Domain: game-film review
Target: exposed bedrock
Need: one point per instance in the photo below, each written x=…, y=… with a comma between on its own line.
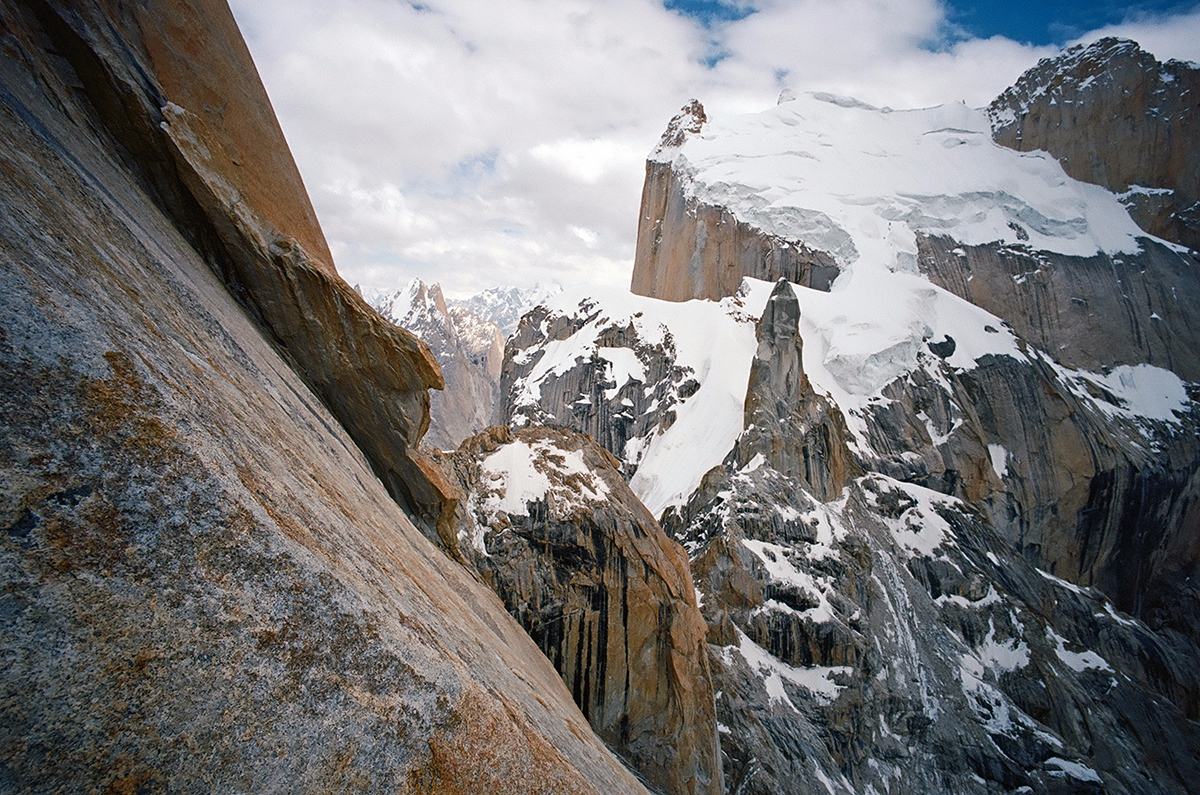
x=608, y=596
x=856, y=603
x=194, y=127
x=203, y=585
x=1085, y=496
x=1093, y=498
x=847, y=649
x=1115, y=116
x=687, y=248
x=1088, y=313
x=848, y=638
x=799, y=433
x=588, y=397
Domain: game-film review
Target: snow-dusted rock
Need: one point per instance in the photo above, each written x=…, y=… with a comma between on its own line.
x=994, y=592
x=1115, y=116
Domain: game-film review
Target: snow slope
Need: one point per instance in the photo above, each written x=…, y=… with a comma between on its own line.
x=859, y=182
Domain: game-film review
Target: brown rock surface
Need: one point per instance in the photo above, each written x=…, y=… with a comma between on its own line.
x=173, y=91
x=1115, y=116
x=603, y=591
x=204, y=586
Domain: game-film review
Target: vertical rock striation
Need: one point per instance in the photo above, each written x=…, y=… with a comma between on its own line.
x=551, y=526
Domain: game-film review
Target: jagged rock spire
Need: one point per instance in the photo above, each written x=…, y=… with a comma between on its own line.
x=688, y=121
x=777, y=381
x=797, y=431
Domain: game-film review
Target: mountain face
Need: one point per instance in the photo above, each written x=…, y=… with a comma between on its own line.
x=1115, y=116
x=504, y=306
x=211, y=580
x=937, y=474
x=910, y=504
x=469, y=350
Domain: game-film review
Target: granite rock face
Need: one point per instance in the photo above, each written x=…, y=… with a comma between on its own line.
x=1088, y=312
x=1115, y=116
x=551, y=526
x=799, y=433
x=876, y=630
x=469, y=351
x=688, y=248
x=871, y=624
x=205, y=586
x=195, y=127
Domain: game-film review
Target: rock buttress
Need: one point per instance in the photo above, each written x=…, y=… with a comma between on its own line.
x=173, y=91
x=800, y=433
x=608, y=597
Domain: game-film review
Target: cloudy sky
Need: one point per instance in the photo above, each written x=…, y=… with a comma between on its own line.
x=493, y=142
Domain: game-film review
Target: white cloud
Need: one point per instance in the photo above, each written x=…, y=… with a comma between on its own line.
x=481, y=143
x=588, y=161
x=1168, y=37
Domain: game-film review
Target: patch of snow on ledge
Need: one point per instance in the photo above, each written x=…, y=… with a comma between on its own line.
x=999, y=458
x=773, y=671
x=1076, y=661
x=1073, y=769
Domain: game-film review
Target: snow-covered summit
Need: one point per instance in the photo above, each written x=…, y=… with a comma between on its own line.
x=860, y=182
x=505, y=305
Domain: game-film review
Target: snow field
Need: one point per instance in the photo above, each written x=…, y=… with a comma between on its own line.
x=520, y=473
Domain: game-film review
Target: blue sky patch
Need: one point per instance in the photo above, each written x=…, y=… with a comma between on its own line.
x=710, y=12
x=1052, y=21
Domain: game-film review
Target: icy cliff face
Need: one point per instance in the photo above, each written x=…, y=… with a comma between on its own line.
x=953, y=549
x=856, y=185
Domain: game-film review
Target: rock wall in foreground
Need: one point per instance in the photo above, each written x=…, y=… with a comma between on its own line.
x=205, y=586
x=193, y=126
